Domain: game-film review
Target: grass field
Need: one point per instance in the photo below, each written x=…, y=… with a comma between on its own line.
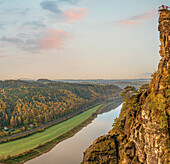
x=30, y=142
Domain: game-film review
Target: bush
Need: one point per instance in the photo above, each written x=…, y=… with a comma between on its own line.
x=8, y=156
x=2, y=158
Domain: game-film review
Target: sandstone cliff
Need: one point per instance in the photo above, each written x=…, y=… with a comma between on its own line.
x=140, y=134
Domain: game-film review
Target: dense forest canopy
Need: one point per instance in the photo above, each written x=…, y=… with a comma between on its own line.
x=23, y=103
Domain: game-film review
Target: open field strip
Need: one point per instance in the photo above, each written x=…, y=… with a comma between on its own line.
x=30, y=142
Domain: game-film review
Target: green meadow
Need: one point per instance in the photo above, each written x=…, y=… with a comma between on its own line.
x=30, y=142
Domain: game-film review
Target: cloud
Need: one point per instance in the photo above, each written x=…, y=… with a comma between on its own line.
x=66, y=15
x=1, y=51
x=135, y=20
x=1, y=26
x=34, y=24
x=75, y=13
x=27, y=44
x=15, y=11
x=49, y=39
x=51, y=6
x=13, y=40
x=54, y=39
x=6, y=24
x=2, y=1
x=69, y=1
x=25, y=11
x=146, y=74
x=128, y=23
x=145, y=16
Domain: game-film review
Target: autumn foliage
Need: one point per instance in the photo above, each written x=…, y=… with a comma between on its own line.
x=24, y=103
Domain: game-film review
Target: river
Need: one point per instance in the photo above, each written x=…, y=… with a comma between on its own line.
x=70, y=151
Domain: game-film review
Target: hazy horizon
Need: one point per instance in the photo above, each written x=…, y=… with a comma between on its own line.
x=79, y=39
x=72, y=79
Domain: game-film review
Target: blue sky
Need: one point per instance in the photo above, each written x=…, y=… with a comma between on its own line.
x=79, y=39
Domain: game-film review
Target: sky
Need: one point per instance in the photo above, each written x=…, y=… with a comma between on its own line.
x=79, y=39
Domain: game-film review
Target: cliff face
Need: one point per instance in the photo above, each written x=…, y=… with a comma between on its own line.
x=140, y=134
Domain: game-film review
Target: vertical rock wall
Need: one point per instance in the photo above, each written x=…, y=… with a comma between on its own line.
x=141, y=133
x=160, y=79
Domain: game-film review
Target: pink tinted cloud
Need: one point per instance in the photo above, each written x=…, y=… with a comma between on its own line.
x=54, y=39
x=1, y=56
x=145, y=16
x=128, y=23
x=135, y=20
x=75, y=13
x=1, y=51
x=48, y=39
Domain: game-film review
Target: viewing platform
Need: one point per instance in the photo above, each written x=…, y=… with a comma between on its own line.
x=164, y=8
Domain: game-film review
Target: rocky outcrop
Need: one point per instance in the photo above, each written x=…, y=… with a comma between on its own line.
x=103, y=150
x=140, y=134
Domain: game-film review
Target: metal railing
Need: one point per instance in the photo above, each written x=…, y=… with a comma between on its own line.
x=164, y=7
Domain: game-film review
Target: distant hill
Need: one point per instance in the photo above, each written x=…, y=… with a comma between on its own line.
x=120, y=83
x=44, y=81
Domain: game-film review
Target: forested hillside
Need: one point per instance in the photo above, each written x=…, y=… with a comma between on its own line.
x=24, y=103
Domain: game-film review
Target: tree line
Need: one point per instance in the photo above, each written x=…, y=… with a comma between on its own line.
x=24, y=103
